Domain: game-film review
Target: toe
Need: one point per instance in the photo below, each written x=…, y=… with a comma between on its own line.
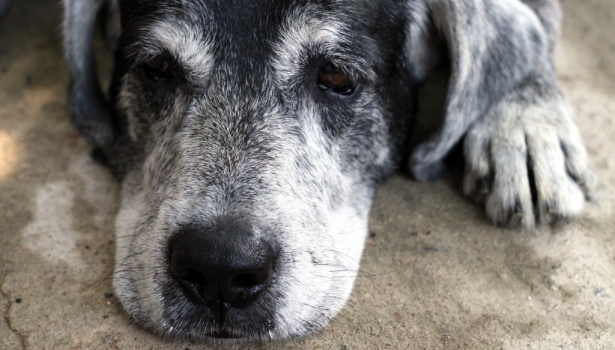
x=558, y=195
x=510, y=201
x=477, y=178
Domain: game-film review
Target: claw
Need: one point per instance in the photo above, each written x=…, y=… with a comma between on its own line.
x=518, y=208
x=481, y=190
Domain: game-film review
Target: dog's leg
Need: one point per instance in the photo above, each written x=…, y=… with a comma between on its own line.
x=525, y=160
x=525, y=157
x=494, y=45
x=90, y=112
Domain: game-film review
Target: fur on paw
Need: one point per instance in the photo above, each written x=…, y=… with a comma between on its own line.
x=527, y=164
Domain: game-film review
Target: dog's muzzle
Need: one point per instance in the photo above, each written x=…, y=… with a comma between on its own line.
x=223, y=268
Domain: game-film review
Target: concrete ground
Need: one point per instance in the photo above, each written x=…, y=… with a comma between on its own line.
x=436, y=274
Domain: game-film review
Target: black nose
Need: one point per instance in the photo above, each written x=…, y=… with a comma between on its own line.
x=223, y=267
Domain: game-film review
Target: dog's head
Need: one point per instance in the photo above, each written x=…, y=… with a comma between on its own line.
x=250, y=137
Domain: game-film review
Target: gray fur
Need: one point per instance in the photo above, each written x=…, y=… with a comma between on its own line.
x=240, y=130
x=487, y=62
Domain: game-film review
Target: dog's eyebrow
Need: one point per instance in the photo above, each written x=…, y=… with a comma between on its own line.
x=189, y=46
x=304, y=35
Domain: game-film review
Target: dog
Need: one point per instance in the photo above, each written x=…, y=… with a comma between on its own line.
x=249, y=138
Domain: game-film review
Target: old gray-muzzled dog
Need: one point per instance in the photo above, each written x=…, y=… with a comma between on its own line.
x=250, y=136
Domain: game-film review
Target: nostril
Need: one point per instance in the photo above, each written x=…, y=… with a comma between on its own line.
x=197, y=285
x=193, y=276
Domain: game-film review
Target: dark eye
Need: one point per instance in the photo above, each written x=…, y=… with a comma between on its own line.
x=156, y=68
x=334, y=78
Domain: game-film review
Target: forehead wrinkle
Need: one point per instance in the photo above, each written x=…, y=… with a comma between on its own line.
x=189, y=45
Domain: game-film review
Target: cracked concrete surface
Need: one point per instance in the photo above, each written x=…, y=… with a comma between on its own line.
x=435, y=274
x=10, y=337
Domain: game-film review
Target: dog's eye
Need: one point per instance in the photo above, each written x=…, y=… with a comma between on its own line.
x=156, y=68
x=334, y=78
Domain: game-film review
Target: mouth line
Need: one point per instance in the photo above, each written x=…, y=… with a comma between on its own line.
x=223, y=328
x=223, y=334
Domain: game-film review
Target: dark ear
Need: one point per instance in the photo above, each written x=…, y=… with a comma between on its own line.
x=493, y=45
x=90, y=111
x=4, y=7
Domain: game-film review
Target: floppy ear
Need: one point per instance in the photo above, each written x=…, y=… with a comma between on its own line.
x=90, y=111
x=493, y=45
x=4, y=6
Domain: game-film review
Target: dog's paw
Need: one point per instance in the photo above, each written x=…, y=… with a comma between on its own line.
x=527, y=164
